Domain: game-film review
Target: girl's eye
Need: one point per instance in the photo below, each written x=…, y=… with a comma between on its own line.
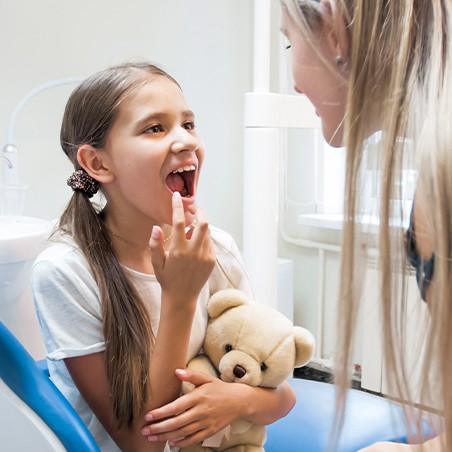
x=190, y=125
x=154, y=129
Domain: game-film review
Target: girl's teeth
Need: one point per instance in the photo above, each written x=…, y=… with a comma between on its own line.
x=185, y=168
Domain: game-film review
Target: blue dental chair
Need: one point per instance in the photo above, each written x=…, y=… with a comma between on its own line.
x=28, y=397
x=307, y=427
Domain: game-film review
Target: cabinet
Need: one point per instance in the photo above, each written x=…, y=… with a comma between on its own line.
x=372, y=366
x=369, y=346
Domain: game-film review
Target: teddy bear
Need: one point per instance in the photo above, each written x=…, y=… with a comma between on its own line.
x=250, y=343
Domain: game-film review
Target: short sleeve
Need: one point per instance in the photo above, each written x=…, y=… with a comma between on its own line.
x=230, y=270
x=67, y=303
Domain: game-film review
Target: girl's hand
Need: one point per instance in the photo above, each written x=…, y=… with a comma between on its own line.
x=186, y=266
x=196, y=416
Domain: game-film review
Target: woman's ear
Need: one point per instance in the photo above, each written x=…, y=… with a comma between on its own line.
x=337, y=35
x=92, y=161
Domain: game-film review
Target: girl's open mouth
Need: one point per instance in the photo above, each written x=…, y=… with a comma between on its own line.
x=182, y=180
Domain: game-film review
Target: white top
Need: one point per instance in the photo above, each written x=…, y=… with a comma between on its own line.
x=69, y=311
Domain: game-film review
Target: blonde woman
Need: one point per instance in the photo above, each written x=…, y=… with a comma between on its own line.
x=385, y=66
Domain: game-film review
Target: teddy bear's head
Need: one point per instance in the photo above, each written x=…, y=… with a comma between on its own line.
x=252, y=343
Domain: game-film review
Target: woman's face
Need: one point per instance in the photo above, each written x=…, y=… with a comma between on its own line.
x=324, y=87
x=153, y=150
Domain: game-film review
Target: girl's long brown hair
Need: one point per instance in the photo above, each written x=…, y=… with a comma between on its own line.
x=88, y=118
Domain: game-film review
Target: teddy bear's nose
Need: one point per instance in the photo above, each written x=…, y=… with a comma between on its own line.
x=239, y=371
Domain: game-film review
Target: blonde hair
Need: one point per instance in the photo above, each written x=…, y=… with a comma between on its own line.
x=400, y=73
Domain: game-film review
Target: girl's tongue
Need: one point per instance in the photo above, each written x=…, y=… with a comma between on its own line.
x=175, y=182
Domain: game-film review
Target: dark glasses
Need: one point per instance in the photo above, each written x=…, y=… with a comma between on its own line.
x=424, y=268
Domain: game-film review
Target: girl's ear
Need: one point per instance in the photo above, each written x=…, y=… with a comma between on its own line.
x=337, y=35
x=92, y=161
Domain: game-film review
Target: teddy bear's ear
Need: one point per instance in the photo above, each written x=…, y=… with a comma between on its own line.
x=304, y=345
x=224, y=300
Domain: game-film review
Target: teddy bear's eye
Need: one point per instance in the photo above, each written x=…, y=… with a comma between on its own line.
x=264, y=367
x=228, y=348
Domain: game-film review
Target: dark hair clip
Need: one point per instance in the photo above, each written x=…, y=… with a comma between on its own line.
x=80, y=180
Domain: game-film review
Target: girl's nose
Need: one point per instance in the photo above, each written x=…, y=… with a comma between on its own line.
x=184, y=141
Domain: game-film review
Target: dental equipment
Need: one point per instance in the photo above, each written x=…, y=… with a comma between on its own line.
x=10, y=150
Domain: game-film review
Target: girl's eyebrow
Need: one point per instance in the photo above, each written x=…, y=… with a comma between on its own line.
x=188, y=114
x=162, y=116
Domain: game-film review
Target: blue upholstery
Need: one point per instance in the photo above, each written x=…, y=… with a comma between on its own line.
x=30, y=381
x=307, y=427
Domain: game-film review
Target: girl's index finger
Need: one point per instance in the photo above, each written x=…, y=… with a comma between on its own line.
x=178, y=214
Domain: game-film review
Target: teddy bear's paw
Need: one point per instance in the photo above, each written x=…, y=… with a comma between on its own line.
x=240, y=426
x=187, y=387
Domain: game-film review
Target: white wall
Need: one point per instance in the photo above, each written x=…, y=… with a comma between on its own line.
x=205, y=44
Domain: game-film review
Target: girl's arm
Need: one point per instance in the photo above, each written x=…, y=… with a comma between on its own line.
x=182, y=272
x=213, y=405
x=90, y=377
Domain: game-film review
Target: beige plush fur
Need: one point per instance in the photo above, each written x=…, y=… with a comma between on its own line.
x=249, y=343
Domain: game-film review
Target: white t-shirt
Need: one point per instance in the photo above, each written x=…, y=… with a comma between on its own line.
x=69, y=310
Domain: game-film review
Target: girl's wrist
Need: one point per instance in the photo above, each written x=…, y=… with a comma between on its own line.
x=246, y=406
x=175, y=307
x=181, y=300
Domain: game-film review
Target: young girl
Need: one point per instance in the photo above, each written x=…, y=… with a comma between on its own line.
x=385, y=65
x=121, y=291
